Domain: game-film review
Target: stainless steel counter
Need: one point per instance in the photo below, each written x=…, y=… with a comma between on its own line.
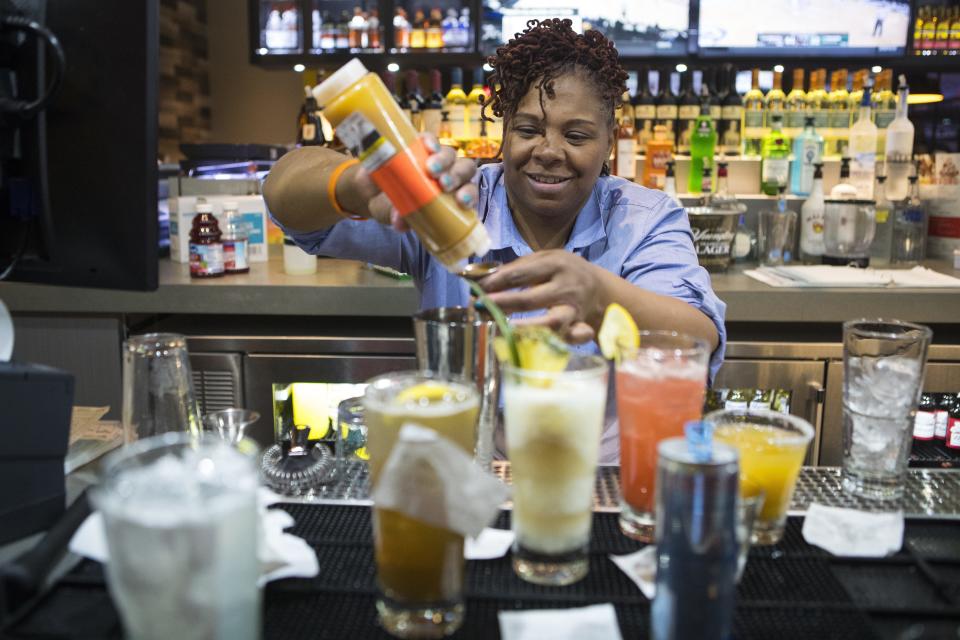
x=345, y=288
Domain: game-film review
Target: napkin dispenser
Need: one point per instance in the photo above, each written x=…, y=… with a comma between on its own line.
x=36, y=403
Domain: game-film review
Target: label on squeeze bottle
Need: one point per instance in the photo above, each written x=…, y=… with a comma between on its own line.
x=394, y=171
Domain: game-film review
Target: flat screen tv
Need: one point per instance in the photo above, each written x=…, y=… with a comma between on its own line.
x=803, y=27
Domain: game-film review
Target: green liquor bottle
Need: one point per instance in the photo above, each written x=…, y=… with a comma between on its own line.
x=775, y=158
x=703, y=143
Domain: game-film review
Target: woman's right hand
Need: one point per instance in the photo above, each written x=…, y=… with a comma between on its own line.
x=454, y=175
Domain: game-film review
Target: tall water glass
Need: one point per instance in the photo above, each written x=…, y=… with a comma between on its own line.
x=157, y=387
x=553, y=423
x=457, y=341
x=181, y=520
x=883, y=367
x=777, y=237
x=659, y=389
x=419, y=566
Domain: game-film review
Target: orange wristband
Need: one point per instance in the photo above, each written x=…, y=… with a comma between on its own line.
x=332, y=188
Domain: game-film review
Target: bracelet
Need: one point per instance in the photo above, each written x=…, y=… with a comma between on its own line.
x=332, y=188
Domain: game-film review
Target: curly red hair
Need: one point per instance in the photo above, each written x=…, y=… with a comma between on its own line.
x=546, y=50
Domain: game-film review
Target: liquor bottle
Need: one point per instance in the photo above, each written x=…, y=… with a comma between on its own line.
x=731, y=116
x=309, y=127
x=475, y=100
x=626, y=108
x=953, y=424
x=910, y=228
x=625, y=155
x=941, y=417
x=414, y=100
x=884, y=108
x=644, y=109
x=924, y=420
x=775, y=100
x=670, y=182
x=667, y=108
x=843, y=190
x=863, y=149
x=356, y=29
x=433, y=105
x=796, y=106
x=658, y=154
x=817, y=99
x=775, y=158
x=943, y=33
x=456, y=104
x=466, y=33
x=401, y=29
x=703, y=144
x=722, y=198
x=918, y=30
x=807, y=152
x=418, y=30
x=687, y=113
x=316, y=24
x=811, y=221
x=390, y=81
x=752, y=127
x=373, y=29
x=856, y=94
x=328, y=32
x=710, y=81
x=343, y=31
x=899, y=146
x=744, y=242
x=450, y=27
x=434, y=37
x=837, y=135
x=706, y=184
x=954, y=45
x=446, y=132
x=929, y=35
x=881, y=248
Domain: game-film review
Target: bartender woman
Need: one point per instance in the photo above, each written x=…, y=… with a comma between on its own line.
x=572, y=238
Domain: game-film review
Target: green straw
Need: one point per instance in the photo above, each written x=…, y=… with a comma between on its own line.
x=500, y=318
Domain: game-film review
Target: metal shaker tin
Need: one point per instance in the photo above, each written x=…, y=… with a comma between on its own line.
x=696, y=541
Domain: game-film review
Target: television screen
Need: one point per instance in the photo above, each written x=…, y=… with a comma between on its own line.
x=651, y=27
x=852, y=27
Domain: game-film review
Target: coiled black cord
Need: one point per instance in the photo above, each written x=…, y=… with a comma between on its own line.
x=26, y=108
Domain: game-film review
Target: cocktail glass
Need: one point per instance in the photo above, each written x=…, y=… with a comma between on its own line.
x=883, y=369
x=181, y=521
x=553, y=423
x=772, y=446
x=419, y=566
x=660, y=387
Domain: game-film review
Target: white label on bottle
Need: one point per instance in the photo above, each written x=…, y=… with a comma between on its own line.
x=309, y=132
x=626, y=158
x=923, y=425
x=645, y=112
x=473, y=121
x=775, y=170
x=689, y=112
x=667, y=112
x=733, y=404
x=206, y=259
x=457, y=120
x=731, y=112
x=953, y=433
x=809, y=156
x=811, y=231
x=366, y=143
x=753, y=119
x=235, y=255
x=862, y=173
x=940, y=420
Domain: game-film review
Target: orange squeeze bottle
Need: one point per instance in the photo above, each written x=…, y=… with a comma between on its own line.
x=371, y=124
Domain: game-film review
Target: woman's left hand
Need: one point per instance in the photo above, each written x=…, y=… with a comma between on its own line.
x=563, y=283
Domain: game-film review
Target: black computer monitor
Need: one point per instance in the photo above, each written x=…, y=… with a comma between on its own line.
x=83, y=170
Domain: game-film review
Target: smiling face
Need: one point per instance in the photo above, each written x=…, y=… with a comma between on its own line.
x=552, y=155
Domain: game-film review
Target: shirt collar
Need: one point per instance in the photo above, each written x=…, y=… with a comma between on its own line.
x=588, y=229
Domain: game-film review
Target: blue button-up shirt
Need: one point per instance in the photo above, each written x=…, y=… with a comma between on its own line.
x=637, y=233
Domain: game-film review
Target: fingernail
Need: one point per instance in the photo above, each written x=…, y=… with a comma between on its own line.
x=446, y=181
x=433, y=145
x=467, y=199
x=434, y=167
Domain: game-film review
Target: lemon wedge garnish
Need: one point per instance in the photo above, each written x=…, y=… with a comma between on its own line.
x=429, y=391
x=618, y=333
x=538, y=348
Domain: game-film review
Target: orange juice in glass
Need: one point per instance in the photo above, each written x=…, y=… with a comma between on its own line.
x=772, y=446
x=660, y=386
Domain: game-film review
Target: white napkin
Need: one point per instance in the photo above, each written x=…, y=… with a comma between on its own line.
x=848, y=532
x=490, y=544
x=465, y=500
x=596, y=622
x=641, y=568
x=282, y=555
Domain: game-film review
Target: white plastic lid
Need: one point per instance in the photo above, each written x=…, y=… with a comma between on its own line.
x=339, y=81
x=204, y=207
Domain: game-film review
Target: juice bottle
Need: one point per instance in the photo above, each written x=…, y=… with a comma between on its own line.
x=206, y=250
x=373, y=127
x=236, y=244
x=659, y=152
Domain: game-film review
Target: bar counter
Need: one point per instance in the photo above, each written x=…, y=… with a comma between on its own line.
x=346, y=288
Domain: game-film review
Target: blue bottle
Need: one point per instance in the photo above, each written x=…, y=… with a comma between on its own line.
x=696, y=496
x=807, y=151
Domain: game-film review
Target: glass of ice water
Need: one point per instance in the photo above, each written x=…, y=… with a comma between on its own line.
x=883, y=368
x=181, y=521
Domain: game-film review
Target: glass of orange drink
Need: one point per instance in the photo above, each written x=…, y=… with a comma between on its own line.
x=660, y=387
x=772, y=447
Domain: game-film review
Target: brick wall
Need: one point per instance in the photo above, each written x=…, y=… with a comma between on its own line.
x=184, y=76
